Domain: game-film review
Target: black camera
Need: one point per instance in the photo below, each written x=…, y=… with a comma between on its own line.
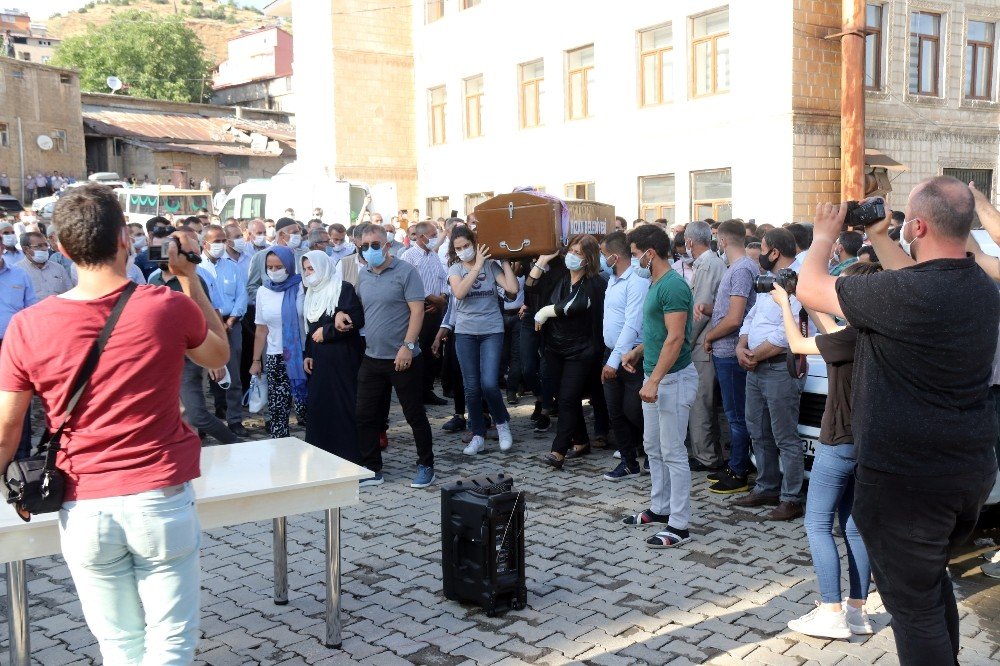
x=860, y=215
x=158, y=253
x=786, y=277
x=162, y=232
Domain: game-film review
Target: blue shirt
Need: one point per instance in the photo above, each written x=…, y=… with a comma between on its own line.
x=16, y=293
x=227, y=285
x=623, y=314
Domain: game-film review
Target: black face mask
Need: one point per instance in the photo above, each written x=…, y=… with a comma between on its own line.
x=765, y=261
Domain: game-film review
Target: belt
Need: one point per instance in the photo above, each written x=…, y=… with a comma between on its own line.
x=778, y=358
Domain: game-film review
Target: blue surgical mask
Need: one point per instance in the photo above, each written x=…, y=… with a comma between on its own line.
x=639, y=269
x=604, y=265
x=573, y=262
x=374, y=257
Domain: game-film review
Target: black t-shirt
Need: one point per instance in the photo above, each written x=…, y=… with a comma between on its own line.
x=837, y=350
x=926, y=339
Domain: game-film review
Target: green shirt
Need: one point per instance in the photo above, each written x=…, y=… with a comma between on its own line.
x=670, y=293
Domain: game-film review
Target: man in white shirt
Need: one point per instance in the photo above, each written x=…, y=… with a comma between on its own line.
x=219, y=200
x=47, y=277
x=421, y=256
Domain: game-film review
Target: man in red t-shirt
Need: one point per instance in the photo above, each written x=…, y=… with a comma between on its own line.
x=128, y=526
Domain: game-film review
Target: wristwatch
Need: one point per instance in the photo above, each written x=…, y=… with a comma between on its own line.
x=410, y=345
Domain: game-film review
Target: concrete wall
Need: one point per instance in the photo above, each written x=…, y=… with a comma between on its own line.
x=262, y=54
x=274, y=94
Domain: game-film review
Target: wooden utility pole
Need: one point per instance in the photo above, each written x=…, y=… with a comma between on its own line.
x=852, y=101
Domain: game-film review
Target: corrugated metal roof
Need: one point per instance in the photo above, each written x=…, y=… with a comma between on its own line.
x=200, y=148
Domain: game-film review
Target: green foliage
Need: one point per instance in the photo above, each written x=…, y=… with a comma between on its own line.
x=156, y=56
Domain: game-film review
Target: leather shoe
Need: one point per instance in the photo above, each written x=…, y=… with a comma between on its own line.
x=432, y=399
x=786, y=511
x=239, y=430
x=756, y=499
x=576, y=452
x=455, y=424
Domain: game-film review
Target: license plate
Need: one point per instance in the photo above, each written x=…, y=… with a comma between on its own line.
x=809, y=447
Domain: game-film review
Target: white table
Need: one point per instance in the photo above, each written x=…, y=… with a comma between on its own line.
x=240, y=483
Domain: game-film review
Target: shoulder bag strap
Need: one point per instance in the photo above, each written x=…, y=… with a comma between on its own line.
x=83, y=377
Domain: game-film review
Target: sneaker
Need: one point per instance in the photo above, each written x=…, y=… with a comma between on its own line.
x=536, y=412
x=617, y=454
x=376, y=480
x=455, y=424
x=991, y=569
x=506, y=438
x=822, y=622
x=425, y=477
x=729, y=483
x=476, y=445
x=542, y=423
x=857, y=620
x=623, y=471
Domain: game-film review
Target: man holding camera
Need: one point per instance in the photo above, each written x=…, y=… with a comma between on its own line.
x=772, y=404
x=923, y=421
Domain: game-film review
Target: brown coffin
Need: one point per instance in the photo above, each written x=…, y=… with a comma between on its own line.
x=521, y=224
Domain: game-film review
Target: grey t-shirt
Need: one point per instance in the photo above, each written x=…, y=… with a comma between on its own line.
x=479, y=312
x=736, y=281
x=386, y=297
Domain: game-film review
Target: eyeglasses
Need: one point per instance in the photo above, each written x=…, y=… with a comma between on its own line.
x=375, y=245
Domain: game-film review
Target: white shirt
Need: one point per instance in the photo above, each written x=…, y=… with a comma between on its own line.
x=269, y=314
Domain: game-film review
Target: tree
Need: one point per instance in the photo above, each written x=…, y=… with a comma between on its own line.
x=155, y=56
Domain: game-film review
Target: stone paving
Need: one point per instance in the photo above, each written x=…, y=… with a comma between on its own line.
x=596, y=594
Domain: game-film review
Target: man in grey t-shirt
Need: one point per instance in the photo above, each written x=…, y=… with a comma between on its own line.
x=392, y=295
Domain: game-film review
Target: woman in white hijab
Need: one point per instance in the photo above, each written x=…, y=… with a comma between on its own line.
x=333, y=318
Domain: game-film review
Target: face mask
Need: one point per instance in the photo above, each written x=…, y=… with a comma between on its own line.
x=270, y=233
x=639, y=269
x=432, y=243
x=903, y=243
x=260, y=240
x=294, y=240
x=765, y=262
x=311, y=280
x=573, y=262
x=605, y=268
x=239, y=244
x=374, y=257
x=215, y=250
x=466, y=254
x=40, y=256
x=139, y=242
x=9, y=240
x=277, y=276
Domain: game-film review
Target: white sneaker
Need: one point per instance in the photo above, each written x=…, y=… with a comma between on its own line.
x=822, y=622
x=477, y=445
x=506, y=438
x=992, y=556
x=857, y=620
x=617, y=454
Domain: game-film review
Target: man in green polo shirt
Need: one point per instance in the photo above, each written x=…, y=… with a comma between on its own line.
x=670, y=386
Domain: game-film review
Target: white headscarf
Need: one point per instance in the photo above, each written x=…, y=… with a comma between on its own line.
x=323, y=296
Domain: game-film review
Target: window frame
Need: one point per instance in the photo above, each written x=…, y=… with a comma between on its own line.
x=430, y=16
x=473, y=199
x=582, y=73
x=4, y=135
x=433, y=203
x=714, y=54
x=976, y=46
x=936, y=40
x=589, y=190
x=535, y=83
x=878, y=33
x=715, y=203
x=658, y=206
x=60, y=140
x=658, y=53
x=432, y=115
x=477, y=99
x=965, y=174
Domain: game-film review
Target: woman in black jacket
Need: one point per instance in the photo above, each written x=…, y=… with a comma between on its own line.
x=572, y=339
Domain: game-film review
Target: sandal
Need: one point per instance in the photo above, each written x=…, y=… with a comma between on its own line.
x=666, y=539
x=643, y=519
x=575, y=452
x=552, y=460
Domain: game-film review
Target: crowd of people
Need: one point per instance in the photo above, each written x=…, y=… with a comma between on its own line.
x=668, y=331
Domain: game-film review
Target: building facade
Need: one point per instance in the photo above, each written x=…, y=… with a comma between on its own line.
x=258, y=71
x=30, y=41
x=41, y=130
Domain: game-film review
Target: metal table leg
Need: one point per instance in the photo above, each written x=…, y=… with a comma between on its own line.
x=17, y=614
x=333, y=639
x=280, y=534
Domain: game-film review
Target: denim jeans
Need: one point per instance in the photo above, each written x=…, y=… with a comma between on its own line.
x=772, y=413
x=665, y=428
x=134, y=561
x=733, y=383
x=479, y=356
x=831, y=494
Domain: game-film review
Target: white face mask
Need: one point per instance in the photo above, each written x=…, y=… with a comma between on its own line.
x=466, y=254
x=310, y=280
x=40, y=256
x=294, y=240
x=239, y=244
x=905, y=244
x=9, y=240
x=277, y=276
x=260, y=240
x=270, y=233
x=139, y=242
x=215, y=250
x=432, y=243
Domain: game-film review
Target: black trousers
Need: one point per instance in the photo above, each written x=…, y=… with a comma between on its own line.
x=246, y=354
x=625, y=411
x=910, y=526
x=376, y=379
x=510, y=360
x=432, y=364
x=571, y=379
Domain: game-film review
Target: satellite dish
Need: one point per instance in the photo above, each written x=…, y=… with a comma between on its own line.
x=44, y=142
x=114, y=83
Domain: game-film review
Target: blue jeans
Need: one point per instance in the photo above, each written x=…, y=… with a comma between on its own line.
x=134, y=560
x=831, y=493
x=479, y=356
x=733, y=384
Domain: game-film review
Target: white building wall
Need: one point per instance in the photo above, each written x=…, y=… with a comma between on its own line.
x=747, y=129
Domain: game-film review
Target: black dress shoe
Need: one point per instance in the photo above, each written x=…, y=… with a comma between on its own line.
x=238, y=430
x=431, y=399
x=455, y=424
x=698, y=466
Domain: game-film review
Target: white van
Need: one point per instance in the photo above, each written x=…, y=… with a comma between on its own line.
x=814, y=395
x=142, y=203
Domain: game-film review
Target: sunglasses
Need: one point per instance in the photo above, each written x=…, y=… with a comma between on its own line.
x=375, y=245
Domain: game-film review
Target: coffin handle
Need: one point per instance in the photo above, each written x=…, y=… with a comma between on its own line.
x=524, y=243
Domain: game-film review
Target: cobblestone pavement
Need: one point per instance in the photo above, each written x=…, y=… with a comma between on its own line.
x=596, y=594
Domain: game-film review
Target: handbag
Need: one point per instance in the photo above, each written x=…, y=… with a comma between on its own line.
x=256, y=396
x=798, y=364
x=34, y=484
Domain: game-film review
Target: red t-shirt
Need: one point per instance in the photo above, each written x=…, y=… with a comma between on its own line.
x=126, y=435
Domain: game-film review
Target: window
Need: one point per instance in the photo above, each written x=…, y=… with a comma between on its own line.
x=656, y=65
x=656, y=198
x=474, y=107
x=979, y=60
x=252, y=205
x=434, y=10
x=234, y=162
x=579, y=81
x=710, y=53
x=468, y=4
x=64, y=78
x=59, y=140
x=4, y=136
x=473, y=200
x=438, y=98
x=583, y=191
x=873, y=47
x=983, y=178
x=925, y=53
x=712, y=194
x=438, y=207
x=531, y=75
x=25, y=56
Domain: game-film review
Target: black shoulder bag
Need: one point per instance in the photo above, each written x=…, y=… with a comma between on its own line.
x=34, y=484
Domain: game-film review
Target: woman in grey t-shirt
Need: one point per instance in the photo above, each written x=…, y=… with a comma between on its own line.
x=473, y=279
